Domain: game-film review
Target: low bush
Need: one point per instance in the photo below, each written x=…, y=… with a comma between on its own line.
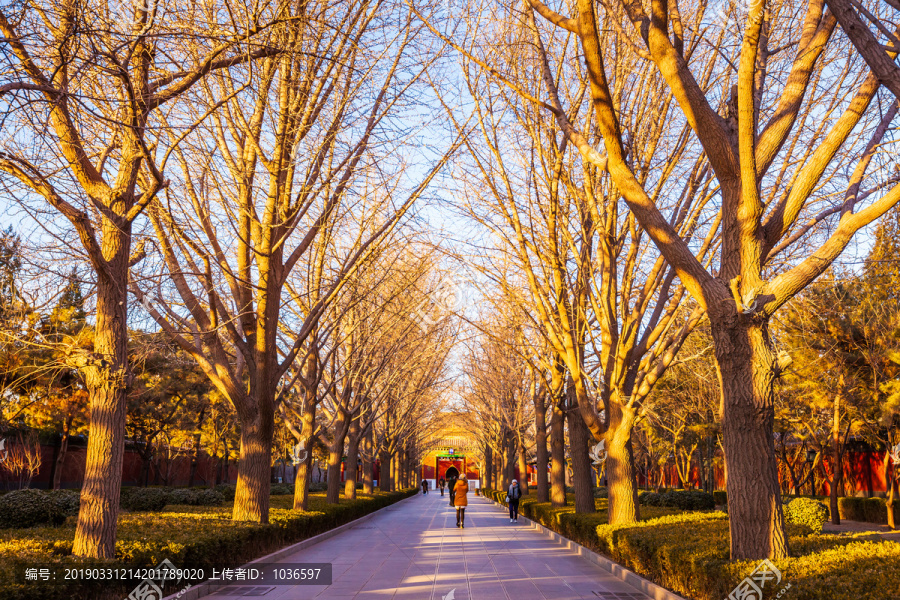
x=281, y=489
x=721, y=498
x=683, y=499
x=143, y=499
x=68, y=501
x=807, y=513
x=27, y=508
x=195, y=497
x=227, y=490
x=688, y=553
x=601, y=492
x=867, y=510
x=188, y=536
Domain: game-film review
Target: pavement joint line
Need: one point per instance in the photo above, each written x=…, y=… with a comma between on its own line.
x=209, y=587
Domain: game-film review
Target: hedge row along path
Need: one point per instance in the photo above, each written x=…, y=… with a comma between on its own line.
x=413, y=550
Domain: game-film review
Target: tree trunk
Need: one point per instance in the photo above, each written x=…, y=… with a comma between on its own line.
x=558, y=456
x=384, y=471
x=523, y=468
x=892, y=499
x=61, y=456
x=488, y=467
x=395, y=471
x=333, y=478
x=579, y=437
x=541, y=458
x=107, y=385
x=251, y=498
x=352, y=456
x=837, y=458
x=620, y=471
x=198, y=437
x=301, y=482
x=745, y=364
x=368, y=466
x=335, y=454
x=509, y=460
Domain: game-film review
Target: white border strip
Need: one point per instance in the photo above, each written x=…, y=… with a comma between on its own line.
x=210, y=586
x=630, y=577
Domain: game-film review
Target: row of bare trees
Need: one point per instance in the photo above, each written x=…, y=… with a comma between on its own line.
x=644, y=167
x=640, y=168
x=233, y=168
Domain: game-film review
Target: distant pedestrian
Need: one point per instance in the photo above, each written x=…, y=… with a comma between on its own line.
x=461, y=500
x=441, y=485
x=512, y=499
x=450, y=486
x=424, y=486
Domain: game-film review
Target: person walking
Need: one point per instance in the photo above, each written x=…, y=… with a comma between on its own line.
x=512, y=499
x=424, y=486
x=441, y=485
x=450, y=487
x=461, y=500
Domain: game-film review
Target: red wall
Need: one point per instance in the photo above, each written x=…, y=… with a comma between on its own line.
x=179, y=469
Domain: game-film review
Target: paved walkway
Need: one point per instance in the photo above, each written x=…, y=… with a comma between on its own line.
x=413, y=550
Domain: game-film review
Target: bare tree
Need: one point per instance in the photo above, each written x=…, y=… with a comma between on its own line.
x=266, y=190
x=779, y=162
x=85, y=89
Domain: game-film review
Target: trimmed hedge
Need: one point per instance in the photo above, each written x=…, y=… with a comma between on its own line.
x=27, y=508
x=189, y=536
x=140, y=499
x=688, y=553
x=807, y=513
x=683, y=499
x=867, y=510
x=195, y=497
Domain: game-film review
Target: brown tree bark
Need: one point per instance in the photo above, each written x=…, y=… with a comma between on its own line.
x=61, y=454
x=368, y=466
x=107, y=378
x=837, y=458
x=582, y=479
x=384, y=471
x=746, y=369
x=335, y=454
x=541, y=455
x=350, y=470
x=488, y=467
x=620, y=469
x=523, y=468
x=251, y=497
x=396, y=483
x=558, y=457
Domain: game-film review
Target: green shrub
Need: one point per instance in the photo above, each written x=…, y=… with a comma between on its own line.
x=649, y=498
x=27, y=508
x=806, y=512
x=143, y=499
x=721, y=498
x=683, y=499
x=227, y=490
x=867, y=510
x=281, y=489
x=601, y=492
x=195, y=496
x=68, y=501
x=189, y=536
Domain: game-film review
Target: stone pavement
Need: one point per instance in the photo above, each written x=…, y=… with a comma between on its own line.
x=413, y=550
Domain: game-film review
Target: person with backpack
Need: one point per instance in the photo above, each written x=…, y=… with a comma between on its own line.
x=512, y=499
x=461, y=500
